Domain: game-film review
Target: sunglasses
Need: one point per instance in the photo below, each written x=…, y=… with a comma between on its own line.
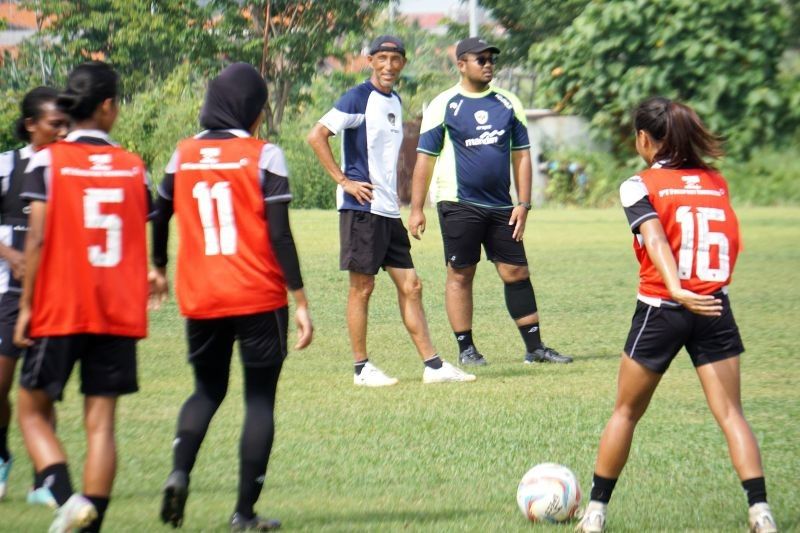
x=482, y=60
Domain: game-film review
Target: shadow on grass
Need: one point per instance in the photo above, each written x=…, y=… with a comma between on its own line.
x=375, y=518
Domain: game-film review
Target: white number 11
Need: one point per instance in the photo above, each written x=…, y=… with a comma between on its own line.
x=222, y=239
x=705, y=240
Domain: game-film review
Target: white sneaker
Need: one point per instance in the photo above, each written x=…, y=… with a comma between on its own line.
x=372, y=376
x=593, y=519
x=761, y=520
x=76, y=513
x=445, y=374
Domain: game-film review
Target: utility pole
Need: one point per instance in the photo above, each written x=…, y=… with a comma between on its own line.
x=473, y=18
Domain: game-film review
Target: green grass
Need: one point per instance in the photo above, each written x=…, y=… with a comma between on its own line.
x=448, y=458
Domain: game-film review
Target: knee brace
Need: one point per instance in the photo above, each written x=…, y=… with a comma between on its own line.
x=520, y=300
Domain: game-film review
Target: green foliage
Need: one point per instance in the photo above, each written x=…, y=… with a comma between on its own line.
x=154, y=120
x=9, y=112
x=720, y=57
x=584, y=178
x=298, y=37
x=768, y=177
x=37, y=62
x=530, y=22
x=143, y=40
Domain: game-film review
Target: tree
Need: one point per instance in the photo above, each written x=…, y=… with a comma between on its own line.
x=721, y=57
x=288, y=40
x=144, y=40
x=531, y=22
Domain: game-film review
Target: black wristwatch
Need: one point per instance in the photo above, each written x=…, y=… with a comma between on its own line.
x=526, y=205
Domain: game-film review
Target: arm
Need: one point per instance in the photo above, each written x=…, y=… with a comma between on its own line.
x=420, y=181
x=15, y=259
x=521, y=167
x=318, y=139
x=159, y=225
x=282, y=241
x=33, y=249
x=660, y=253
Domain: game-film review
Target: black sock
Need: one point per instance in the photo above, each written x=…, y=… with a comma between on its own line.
x=184, y=450
x=434, y=362
x=532, y=336
x=756, y=490
x=4, y=453
x=602, y=488
x=359, y=366
x=100, y=504
x=257, y=435
x=464, y=339
x=56, y=478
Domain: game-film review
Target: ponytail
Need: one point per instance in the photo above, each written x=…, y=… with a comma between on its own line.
x=88, y=86
x=31, y=108
x=685, y=141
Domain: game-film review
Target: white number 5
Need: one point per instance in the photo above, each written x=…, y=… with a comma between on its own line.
x=94, y=219
x=705, y=240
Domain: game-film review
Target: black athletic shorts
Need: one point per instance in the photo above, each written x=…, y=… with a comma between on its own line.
x=9, y=311
x=466, y=227
x=261, y=336
x=108, y=364
x=369, y=242
x=658, y=333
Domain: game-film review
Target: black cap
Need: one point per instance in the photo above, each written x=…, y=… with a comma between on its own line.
x=474, y=45
x=387, y=43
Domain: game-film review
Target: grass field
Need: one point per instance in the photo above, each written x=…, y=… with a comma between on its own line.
x=449, y=457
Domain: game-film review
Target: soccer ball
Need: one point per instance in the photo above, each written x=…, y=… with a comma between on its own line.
x=549, y=492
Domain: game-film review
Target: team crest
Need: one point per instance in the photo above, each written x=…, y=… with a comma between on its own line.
x=691, y=182
x=482, y=116
x=210, y=156
x=391, y=118
x=100, y=162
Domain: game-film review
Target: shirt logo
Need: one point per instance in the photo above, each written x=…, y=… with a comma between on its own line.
x=504, y=101
x=456, y=106
x=481, y=116
x=100, y=162
x=691, y=182
x=487, y=137
x=391, y=118
x=209, y=156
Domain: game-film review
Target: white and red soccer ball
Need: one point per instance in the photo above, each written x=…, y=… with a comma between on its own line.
x=549, y=492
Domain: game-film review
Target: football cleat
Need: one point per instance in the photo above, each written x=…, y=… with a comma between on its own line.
x=76, y=513
x=761, y=520
x=546, y=355
x=446, y=374
x=176, y=490
x=372, y=376
x=471, y=357
x=5, y=470
x=593, y=519
x=240, y=523
x=42, y=496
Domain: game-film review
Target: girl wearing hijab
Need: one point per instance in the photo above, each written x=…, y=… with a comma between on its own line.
x=236, y=260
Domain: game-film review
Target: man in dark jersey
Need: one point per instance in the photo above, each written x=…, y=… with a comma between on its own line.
x=472, y=136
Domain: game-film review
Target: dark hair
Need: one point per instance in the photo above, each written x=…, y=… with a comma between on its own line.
x=31, y=108
x=685, y=139
x=88, y=86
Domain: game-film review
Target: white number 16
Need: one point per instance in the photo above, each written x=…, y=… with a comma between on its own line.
x=705, y=240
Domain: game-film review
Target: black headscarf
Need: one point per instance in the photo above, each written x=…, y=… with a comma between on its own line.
x=234, y=98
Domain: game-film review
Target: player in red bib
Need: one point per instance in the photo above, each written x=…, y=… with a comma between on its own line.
x=84, y=295
x=40, y=123
x=686, y=238
x=236, y=259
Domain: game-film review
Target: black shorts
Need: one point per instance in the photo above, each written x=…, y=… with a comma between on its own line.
x=9, y=311
x=658, y=333
x=261, y=336
x=466, y=227
x=108, y=364
x=369, y=242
